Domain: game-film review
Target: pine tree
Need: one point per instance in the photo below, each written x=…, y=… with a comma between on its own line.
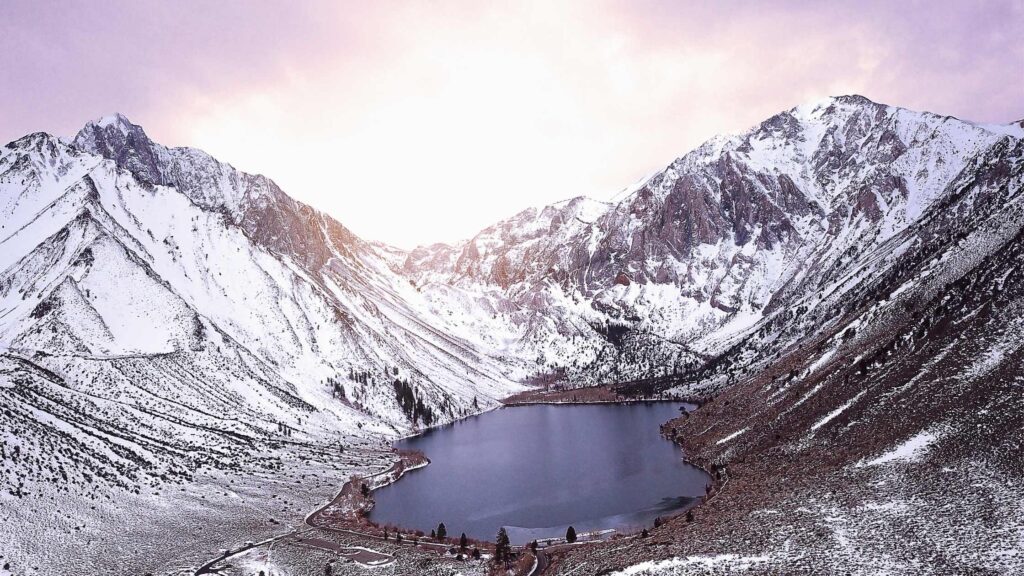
x=570, y=535
x=463, y=541
x=442, y=531
x=502, y=548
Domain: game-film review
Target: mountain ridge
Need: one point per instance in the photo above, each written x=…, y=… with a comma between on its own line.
x=703, y=212
x=164, y=317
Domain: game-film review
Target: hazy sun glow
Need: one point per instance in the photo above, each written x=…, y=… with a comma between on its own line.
x=414, y=122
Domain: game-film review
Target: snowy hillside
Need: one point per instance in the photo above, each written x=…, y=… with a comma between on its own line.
x=840, y=284
x=160, y=311
x=871, y=421
x=688, y=262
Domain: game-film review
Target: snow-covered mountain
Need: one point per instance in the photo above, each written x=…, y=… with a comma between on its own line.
x=162, y=312
x=692, y=259
x=116, y=249
x=155, y=302
x=872, y=420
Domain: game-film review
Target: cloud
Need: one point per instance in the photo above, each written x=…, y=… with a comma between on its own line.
x=420, y=121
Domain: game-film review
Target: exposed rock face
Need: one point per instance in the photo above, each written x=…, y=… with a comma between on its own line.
x=714, y=240
x=875, y=393
x=254, y=202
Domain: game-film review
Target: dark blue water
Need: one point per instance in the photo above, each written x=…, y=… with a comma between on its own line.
x=538, y=469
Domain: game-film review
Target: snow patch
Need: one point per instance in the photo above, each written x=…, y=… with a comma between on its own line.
x=722, y=561
x=909, y=451
x=831, y=415
x=732, y=436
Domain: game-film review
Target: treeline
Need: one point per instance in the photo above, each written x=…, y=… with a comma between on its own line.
x=414, y=408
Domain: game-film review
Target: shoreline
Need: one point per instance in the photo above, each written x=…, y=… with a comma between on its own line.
x=603, y=394
x=517, y=403
x=508, y=403
x=361, y=505
x=349, y=511
x=422, y=431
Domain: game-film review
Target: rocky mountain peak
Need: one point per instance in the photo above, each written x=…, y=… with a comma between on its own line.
x=110, y=133
x=251, y=201
x=116, y=138
x=116, y=120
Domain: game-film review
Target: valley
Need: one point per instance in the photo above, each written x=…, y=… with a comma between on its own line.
x=191, y=360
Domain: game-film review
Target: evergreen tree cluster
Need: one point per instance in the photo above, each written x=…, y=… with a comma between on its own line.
x=413, y=407
x=337, y=389
x=284, y=429
x=360, y=376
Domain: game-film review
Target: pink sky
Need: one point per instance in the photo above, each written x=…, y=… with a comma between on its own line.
x=414, y=122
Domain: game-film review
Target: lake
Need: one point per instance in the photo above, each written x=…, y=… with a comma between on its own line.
x=538, y=469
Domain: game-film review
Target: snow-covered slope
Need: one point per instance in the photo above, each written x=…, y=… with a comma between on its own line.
x=162, y=313
x=114, y=246
x=149, y=280
x=690, y=260
x=872, y=420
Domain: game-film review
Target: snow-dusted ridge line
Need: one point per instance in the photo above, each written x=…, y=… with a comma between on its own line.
x=696, y=253
x=514, y=274
x=193, y=309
